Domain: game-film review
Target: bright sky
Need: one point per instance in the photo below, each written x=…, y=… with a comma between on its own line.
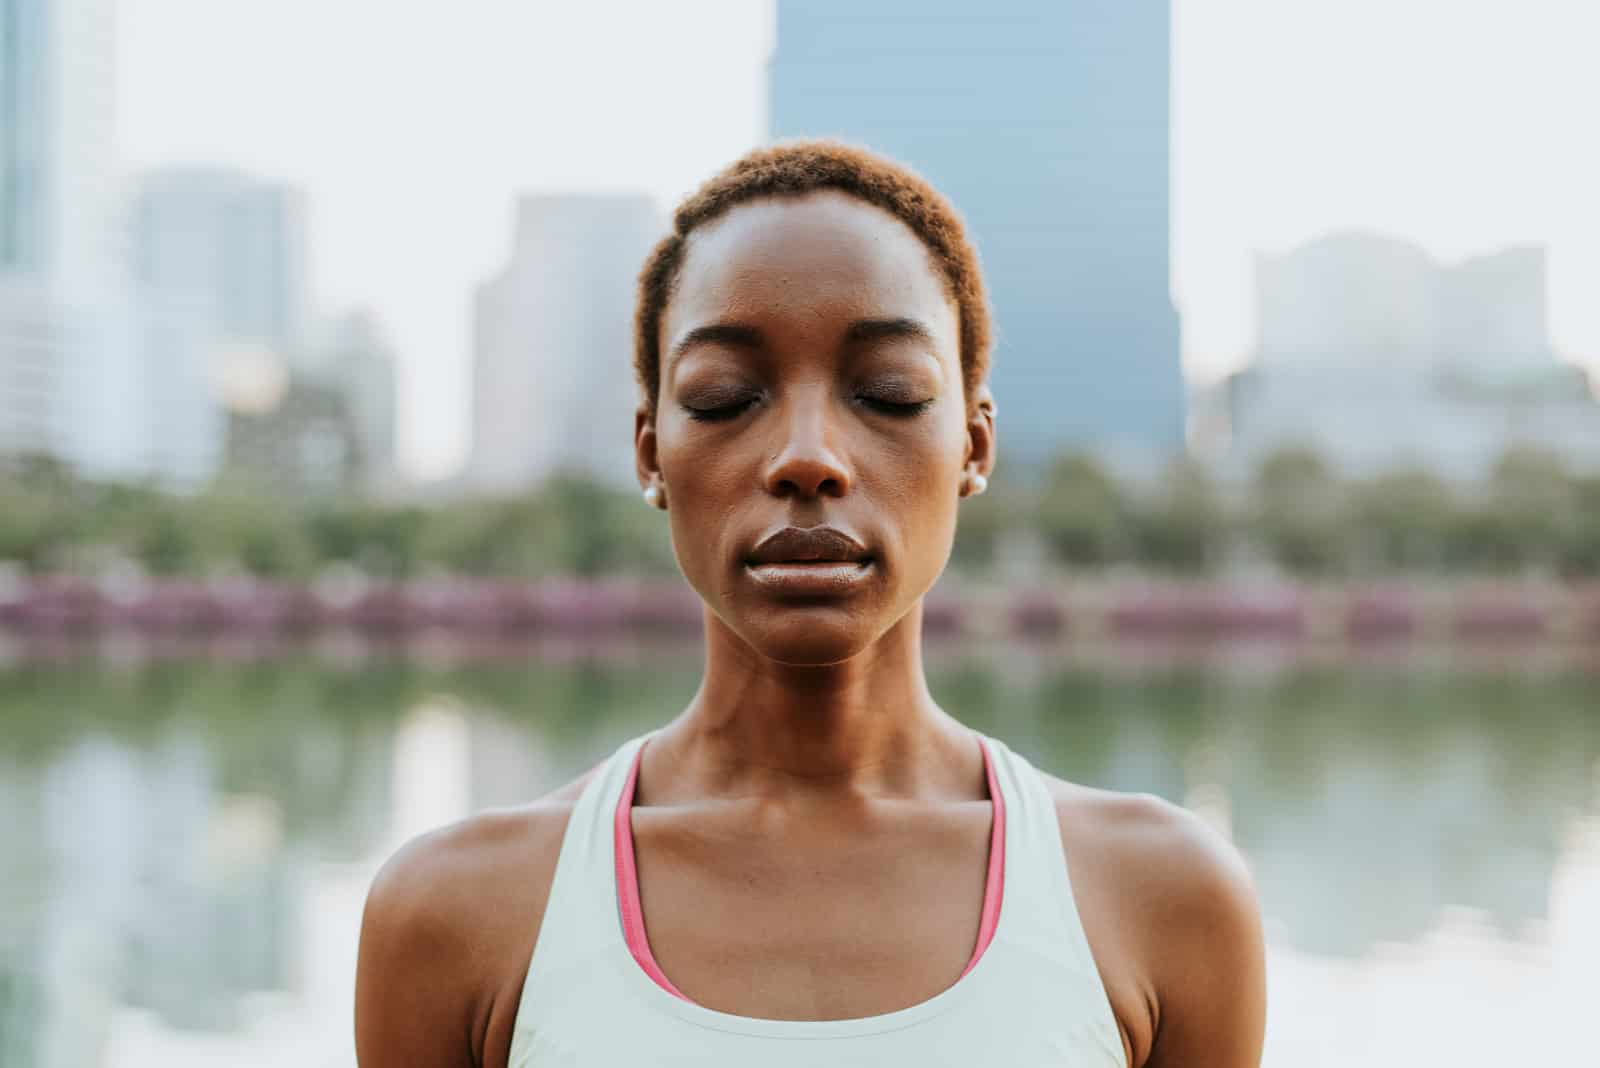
x=1459, y=124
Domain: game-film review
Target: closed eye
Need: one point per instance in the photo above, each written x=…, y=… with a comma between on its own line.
x=897, y=408
x=720, y=414
x=726, y=412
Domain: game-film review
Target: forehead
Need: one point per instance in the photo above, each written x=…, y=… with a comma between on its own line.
x=808, y=260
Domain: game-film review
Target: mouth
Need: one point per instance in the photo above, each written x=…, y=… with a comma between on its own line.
x=809, y=565
x=808, y=545
x=811, y=577
x=810, y=560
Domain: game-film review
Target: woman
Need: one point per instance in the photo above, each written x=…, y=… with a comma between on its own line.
x=814, y=864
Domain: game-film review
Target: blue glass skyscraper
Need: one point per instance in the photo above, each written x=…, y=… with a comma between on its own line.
x=58, y=172
x=1048, y=125
x=24, y=140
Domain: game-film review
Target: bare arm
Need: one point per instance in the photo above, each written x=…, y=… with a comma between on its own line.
x=449, y=927
x=1211, y=971
x=1172, y=919
x=412, y=998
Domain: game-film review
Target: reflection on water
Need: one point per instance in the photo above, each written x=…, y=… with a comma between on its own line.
x=187, y=844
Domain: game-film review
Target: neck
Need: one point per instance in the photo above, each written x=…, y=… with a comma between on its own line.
x=866, y=726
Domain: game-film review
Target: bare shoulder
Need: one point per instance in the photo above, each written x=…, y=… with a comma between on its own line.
x=1166, y=854
x=449, y=926
x=460, y=880
x=1171, y=912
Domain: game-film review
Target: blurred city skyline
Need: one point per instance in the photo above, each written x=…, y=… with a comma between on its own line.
x=1453, y=125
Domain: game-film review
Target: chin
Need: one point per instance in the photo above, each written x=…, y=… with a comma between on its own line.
x=807, y=636
x=816, y=652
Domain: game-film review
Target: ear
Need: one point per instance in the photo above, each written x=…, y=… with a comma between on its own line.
x=645, y=463
x=980, y=455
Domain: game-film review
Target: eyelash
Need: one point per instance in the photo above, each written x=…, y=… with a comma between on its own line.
x=733, y=411
x=896, y=409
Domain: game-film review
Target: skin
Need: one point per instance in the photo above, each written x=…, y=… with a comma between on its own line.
x=813, y=766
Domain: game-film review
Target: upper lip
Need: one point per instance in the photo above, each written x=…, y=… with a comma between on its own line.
x=808, y=544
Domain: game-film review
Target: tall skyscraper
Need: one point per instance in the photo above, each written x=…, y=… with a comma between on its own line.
x=64, y=333
x=553, y=383
x=227, y=252
x=36, y=340
x=1047, y=125
x=220, y=258
x=58, y=179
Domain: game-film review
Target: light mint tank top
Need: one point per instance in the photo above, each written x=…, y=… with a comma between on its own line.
x=1032, y=998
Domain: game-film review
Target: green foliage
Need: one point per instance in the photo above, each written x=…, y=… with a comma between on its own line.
x=1082, y=514
x=1525, y=517
x=983, y=519
x=1184, y=526
x=1532, y=514
x=1403, y=521
x=1296, y=517
x=42, y=513
x=384, y=542
x=1580, y=550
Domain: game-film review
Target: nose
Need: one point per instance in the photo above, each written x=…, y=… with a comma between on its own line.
x=807, y=463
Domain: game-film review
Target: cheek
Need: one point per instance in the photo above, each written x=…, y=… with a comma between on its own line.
x=707, y=483
x=919, y=481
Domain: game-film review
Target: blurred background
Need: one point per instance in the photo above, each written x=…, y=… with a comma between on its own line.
x=319, y=528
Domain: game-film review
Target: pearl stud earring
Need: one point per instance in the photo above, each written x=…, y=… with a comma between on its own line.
x=979, y=484
x=652, y=495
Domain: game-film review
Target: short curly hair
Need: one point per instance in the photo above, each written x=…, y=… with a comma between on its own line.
x=795, y=168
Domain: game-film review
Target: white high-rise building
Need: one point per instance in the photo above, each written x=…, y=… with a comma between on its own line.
x=1376, y=356
x=219, y=265
x=1359, y=298
x=226, y=252
x=553, y=341
x=36, y=345
x=112, y=388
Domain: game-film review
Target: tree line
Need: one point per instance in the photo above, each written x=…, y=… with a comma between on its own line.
x=1531, y=515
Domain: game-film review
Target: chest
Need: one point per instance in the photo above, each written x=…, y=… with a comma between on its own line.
x=813, y=917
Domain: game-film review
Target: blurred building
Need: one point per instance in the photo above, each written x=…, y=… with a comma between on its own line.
x=68, y=342
x=553, y=385
x=299, y=442
x=219, y=258
x=352, y=355
x=1376, y=356
x=1048, y=126
x=58, y=174
x=184, y=422
x=35, y=345
x=226, y=251
x=310, y=406
x=110, y=387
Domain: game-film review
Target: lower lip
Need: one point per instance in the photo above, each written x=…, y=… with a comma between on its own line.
x=831, y=577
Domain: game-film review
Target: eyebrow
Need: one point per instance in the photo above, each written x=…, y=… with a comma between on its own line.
x=736, y=335
x=742, y=336
x=899, y=328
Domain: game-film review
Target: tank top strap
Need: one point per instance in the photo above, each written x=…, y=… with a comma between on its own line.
x=1039, y=914
x=581, y=927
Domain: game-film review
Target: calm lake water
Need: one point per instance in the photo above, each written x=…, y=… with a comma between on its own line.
x=186, y=842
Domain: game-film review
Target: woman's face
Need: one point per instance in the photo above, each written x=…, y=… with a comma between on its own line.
x=811, y=377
